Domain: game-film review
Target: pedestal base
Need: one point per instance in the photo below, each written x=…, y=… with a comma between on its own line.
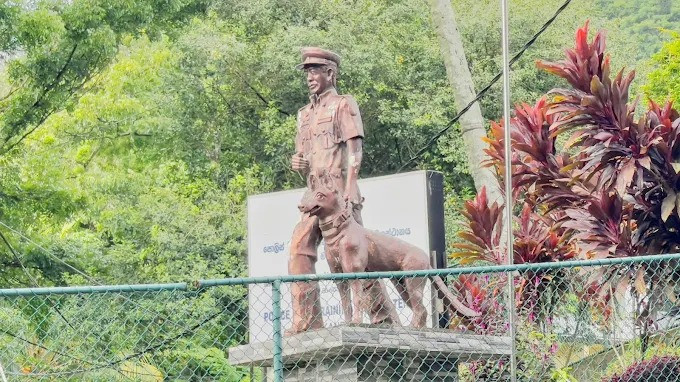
x=374, y=367
x=365, y=353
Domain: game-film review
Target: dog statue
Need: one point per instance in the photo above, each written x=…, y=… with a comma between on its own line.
x=353, y=248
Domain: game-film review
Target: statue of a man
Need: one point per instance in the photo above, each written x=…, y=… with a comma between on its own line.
x=328, y=144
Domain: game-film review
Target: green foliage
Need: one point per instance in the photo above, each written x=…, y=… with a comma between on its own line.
x=210, y=361
x=482, y=38
x=63, y=46
x=639, y=24
x=562, y=375
x=111, y=194
x=131, y=133
x=664, y=80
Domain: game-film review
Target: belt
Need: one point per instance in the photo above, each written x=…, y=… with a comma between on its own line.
x=321, y=171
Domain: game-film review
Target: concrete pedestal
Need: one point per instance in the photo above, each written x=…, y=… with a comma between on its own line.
x=365, y=353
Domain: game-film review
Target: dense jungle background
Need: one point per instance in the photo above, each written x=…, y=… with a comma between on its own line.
x=131, y=133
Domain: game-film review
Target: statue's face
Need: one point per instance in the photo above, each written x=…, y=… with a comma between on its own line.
x=319, y=79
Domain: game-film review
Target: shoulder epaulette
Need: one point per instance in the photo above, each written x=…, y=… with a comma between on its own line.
x=351, y=102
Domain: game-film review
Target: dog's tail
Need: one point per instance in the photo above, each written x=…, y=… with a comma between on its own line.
x=450, y=300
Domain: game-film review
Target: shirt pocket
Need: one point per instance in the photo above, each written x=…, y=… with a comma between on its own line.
x=305, y=137
x=327, y=134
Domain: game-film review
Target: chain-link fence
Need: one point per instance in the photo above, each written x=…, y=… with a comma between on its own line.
x=607, y=320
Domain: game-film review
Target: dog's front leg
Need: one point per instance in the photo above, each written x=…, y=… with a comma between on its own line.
x=354, y=258
x=345, y=299
x=358, y=299
x=333, y=258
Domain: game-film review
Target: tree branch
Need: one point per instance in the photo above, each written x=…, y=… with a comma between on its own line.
x=47, y=114
x=37, y=102
x=259, y=95
x=9, y=94
x=231, y=107
x=54, y=82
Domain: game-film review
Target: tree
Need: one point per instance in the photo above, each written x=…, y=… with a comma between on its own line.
x=59, y=49
x=663, y=81
x=117, y=196
x=64, y=45
x=472, y=123
x=640, y=23
x=223, y=100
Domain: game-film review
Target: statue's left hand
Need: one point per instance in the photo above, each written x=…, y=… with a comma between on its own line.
x=350, y=195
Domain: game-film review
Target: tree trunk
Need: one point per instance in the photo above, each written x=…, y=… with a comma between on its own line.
x=458, y=73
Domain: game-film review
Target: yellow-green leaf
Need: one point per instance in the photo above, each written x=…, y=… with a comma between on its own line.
x=141, y=371
x=668, y=205
x=640, y=285
x=670, y=293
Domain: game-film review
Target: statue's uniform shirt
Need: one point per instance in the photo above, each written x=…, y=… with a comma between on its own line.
x=324, y=127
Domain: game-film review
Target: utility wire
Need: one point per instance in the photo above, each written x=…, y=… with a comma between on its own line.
x=110, y=365
x=34, y=282
x=94, y=281
x=481, y=94
x=49, y=253
x=150, y=349
x=51, y=351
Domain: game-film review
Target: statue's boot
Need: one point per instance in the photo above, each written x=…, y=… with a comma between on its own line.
x=306, y=307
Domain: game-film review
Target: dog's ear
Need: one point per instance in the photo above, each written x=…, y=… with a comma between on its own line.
x=312, y=182
x=327, y=181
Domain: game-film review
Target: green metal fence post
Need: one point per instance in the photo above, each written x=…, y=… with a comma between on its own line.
x=278, y=349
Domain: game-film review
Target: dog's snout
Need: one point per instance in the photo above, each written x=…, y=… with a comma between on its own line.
x=301, y=207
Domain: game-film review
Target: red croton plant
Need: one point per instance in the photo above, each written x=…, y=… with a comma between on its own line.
x=657, y=369
x=590, y=181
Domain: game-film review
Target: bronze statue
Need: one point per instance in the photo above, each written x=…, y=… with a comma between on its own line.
x=328, y=144
x=353, y=248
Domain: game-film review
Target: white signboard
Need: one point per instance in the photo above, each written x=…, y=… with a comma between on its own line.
x=396, y=205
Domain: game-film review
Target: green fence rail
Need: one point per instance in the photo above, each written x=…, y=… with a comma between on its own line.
x=597, y=320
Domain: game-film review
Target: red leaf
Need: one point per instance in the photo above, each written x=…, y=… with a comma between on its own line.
x=625, y=177
x=668, y=205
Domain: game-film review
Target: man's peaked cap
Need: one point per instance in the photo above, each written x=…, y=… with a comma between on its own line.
x=316, y=56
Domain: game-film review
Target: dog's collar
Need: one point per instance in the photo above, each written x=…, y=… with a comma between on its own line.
x=336, y=222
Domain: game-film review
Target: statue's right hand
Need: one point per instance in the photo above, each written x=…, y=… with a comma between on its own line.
x=299, y=163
